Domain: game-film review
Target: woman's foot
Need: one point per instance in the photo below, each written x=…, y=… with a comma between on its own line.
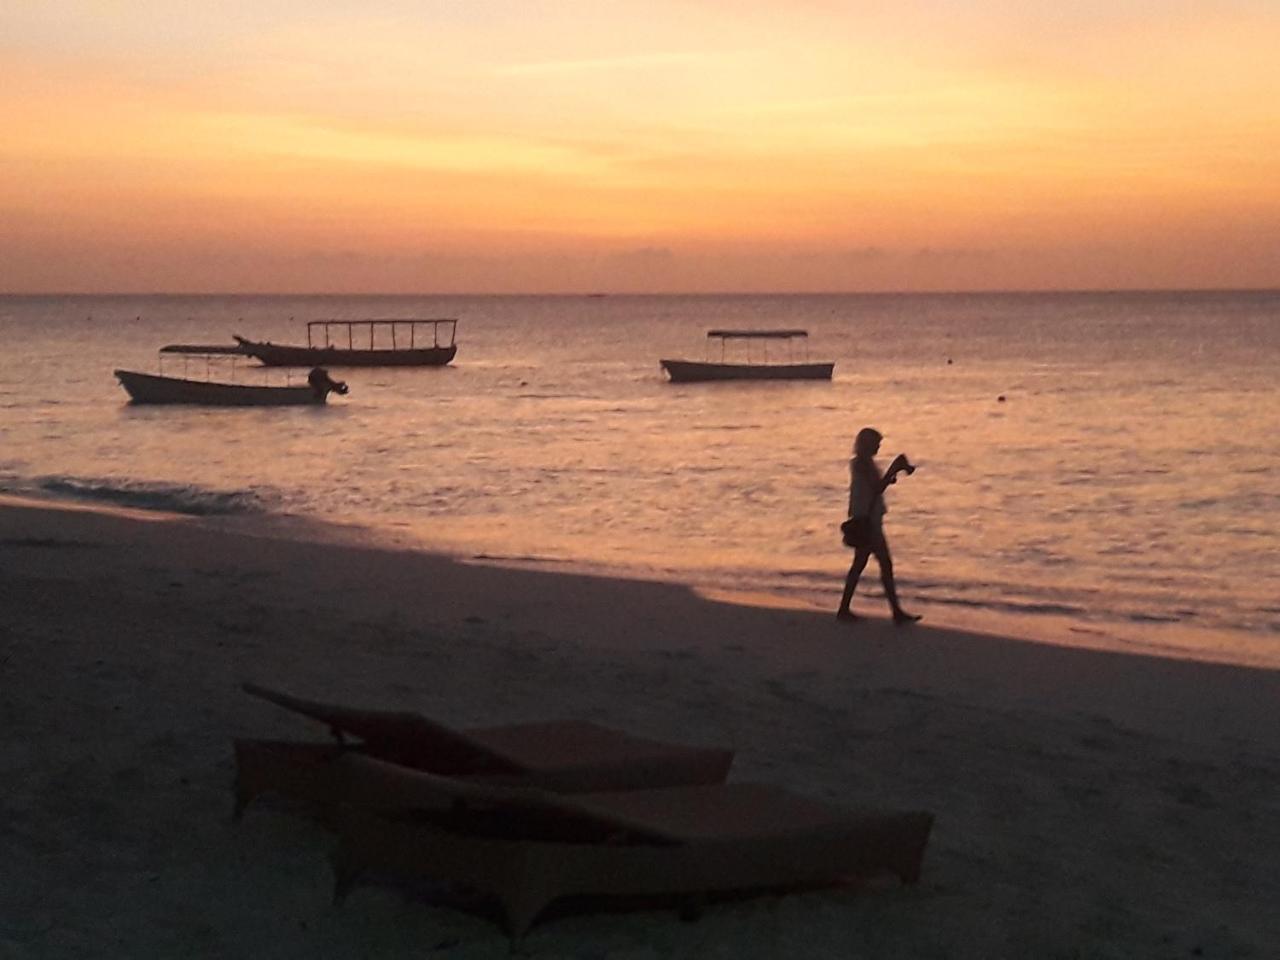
x=901, y=616
x=846, y=615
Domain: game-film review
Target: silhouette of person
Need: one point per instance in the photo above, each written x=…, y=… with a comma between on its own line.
x=866, y=524
x=320, y=382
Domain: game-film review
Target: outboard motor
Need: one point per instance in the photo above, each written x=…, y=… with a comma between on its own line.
x=320, y=381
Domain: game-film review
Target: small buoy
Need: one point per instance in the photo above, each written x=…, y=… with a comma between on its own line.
x=1000, y=399
x=948, y=361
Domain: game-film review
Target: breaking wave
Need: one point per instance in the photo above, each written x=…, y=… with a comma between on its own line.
x=146, y=495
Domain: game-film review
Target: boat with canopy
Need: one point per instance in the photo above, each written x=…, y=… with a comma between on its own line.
x=391, y=342
x=753, y=362
x=162, y=389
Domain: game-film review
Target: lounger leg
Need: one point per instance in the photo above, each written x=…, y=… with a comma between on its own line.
x=692, y=908
x=522, y=907
x=910, y=868
x=345, y=874
x=520, y=916
x=244, y=796
x=909, y=872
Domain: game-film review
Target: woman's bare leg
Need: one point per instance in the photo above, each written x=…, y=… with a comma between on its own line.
x=860, y=557
x=885, y=560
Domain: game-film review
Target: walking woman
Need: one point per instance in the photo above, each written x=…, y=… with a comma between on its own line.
x=864, y=530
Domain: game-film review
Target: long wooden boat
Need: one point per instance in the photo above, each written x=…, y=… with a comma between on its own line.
x=701, y=371
x=363, y=343
x=161, y=389
x=150, y=388
x=693, y=371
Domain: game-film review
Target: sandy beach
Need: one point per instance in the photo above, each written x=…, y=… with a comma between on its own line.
x=1088, y=804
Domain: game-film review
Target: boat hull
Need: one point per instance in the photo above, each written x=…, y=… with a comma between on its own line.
x=149, y=388
x=275, y=355
x=693, y=371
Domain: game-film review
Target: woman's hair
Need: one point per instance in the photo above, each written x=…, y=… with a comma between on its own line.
x=867, y=437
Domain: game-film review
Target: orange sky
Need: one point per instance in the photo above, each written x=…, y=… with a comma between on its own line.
x=551, y=146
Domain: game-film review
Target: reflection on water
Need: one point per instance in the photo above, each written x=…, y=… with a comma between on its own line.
x=1124, y=489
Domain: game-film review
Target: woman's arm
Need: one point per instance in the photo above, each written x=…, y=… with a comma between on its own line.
x=899, y=464
x=881, y=484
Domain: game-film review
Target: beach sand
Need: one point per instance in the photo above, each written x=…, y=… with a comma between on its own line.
x=1088, y=804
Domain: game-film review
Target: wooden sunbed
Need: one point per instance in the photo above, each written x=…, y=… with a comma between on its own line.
x=564, y=756
x=528, y=847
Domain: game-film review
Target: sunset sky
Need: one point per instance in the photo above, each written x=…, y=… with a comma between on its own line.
x=540, y=146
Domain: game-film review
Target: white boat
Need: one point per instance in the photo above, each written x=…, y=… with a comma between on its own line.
x=763, y=368
x=159, y=388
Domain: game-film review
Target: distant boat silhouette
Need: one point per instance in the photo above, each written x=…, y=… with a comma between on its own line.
x=321, y=348
x=698, y=371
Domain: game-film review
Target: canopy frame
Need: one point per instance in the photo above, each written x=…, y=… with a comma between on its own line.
x=395, y=327
x=788, y=335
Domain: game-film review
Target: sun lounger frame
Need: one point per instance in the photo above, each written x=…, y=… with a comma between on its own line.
x=564, y=756
x=406, y=825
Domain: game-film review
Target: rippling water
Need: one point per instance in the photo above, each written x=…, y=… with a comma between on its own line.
x=1124, y=493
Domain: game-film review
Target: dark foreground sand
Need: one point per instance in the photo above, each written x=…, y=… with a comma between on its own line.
x=1088, y=804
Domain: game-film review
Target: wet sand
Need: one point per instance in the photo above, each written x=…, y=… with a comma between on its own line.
x=1088, y=804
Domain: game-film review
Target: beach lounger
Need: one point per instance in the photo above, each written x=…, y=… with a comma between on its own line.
x=564, y=756
x=528, y=847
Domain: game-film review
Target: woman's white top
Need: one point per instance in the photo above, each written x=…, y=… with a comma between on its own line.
x=863, y=501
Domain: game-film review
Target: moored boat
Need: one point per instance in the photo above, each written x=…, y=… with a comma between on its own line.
x=363, y=343
x=694, y=371
x=151, y=388
x=700, y=371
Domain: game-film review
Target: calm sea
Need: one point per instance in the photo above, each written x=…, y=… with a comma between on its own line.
x=1124, y=493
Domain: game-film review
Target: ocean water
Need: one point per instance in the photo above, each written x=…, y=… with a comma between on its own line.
x=1124, y=493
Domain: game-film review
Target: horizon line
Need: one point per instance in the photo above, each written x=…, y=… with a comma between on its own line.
x=1066, y=291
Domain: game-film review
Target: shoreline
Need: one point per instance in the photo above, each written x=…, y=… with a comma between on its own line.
x=1088, y=803
x=1163, y=640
